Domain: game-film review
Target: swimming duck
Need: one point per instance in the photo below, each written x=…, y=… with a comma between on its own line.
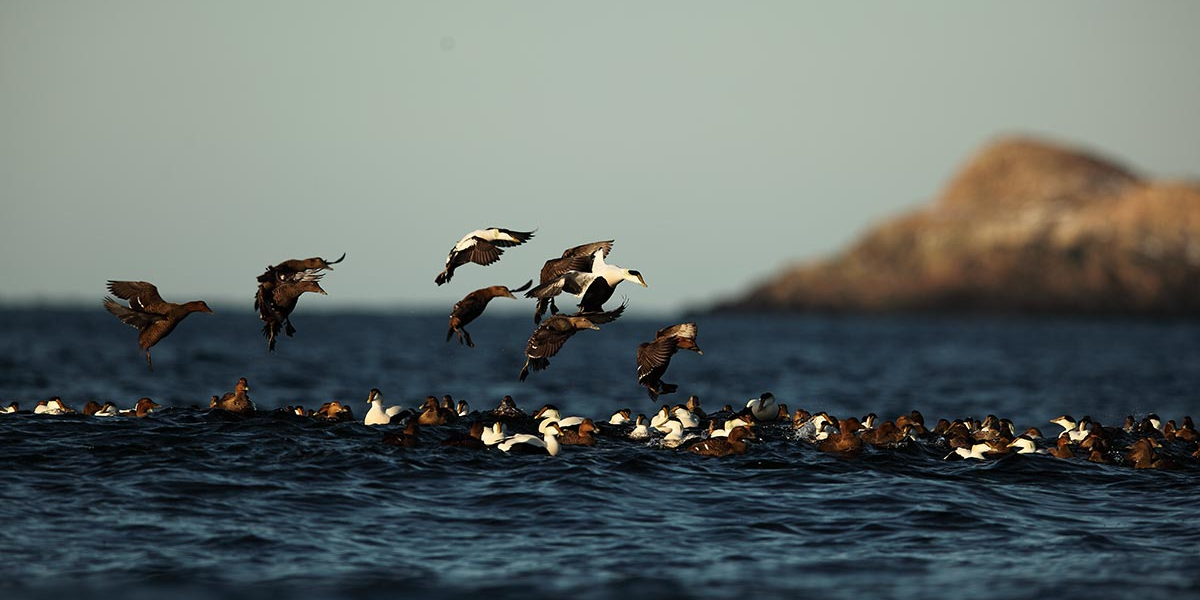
x=53, y=406
x=530, y=443
x=593, y=287
x=493, y=435
x=641, y=430
x=549, y=336
x=764, y=409
x=1066, y=422
x=1063, y=449
x=1024, y=445
x=434, y=414
x=977, y=451
x=685, y=417
x=654, y=357
x=471, y=306
x=845, y=442
x=507, y=410
x=407, y=439
x=237, y=402
x=334, y=411
x=674, y=434
x=731, y=444
x=549, y=414
x=108, y=410
x=578, y=258
x=482, y=247
x=661, y=417
x=584, y=435
x=471, y=441
x=143, y=407
x=463, y=408
x=378, y=415
x=693, y=404
x=621, y=417
x=11, y=408
x=152, y=316
x=90, y=408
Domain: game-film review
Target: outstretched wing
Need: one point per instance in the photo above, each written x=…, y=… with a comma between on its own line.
x=507, y=237
x=129, y=316
x=654, y=356
x=687, y=330
x=481, y=252
x=600, y=318
x=547, y=341
x=572, y=282
x=142, y=295
x=557, y=267
x=588, y=250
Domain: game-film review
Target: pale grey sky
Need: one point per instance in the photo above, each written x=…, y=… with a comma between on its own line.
x=193, y=143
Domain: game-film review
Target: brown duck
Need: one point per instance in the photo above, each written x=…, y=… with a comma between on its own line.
x=583, y=435
x=549, y=336
x=471, y=306
x=654, y=357
x=724, y=446
x=237, y=402
x=153, y=317
x=279, y=289
x=408, y=439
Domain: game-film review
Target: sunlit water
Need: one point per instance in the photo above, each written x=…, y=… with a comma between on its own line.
x=197, y=504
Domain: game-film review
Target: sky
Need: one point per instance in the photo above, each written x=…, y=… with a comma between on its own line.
x=191, y=144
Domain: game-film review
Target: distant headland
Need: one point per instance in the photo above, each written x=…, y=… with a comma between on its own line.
x=1025, y=227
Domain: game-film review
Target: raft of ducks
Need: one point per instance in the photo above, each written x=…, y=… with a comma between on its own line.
x=1148, y=443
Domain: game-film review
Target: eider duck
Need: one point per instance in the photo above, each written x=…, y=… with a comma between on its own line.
x=1063, y=449
x=334, y=411
x=524, y=442
x=407, y=439
x=593, y=287
x=731, y=444
x=674, y=437
x=377, y=414
x=482, y=247
x=506, y=411
x=578, y=258
x=472, y=440
x=152, y=316
x=11, y=408
x=550, y=335
x=693, y=404
x=685, y=417
x=279, y=289
x=90, y=408
x=661, y=417
x=654, y=357
x=472, y=305
x=845, y=442
x=143, y=407
x=549, y=414
x=434, y=414
x=463, y=409
x=237, y=402
x=584, y=435
x=108, y=410
x=494, y=435
x=621, y=417
x=764, y=408
x=641, y=430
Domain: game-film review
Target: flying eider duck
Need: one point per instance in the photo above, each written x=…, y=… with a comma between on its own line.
x=237, y=402
x=153, y=317
x=578, y=258
x=472, y=305
x=279, y=289
x=550, y=335
x=482, y=247
x=654, y=357
x=593, y=287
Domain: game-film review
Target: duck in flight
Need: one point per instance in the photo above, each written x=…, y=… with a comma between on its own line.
x=279, y=289
x=482, y=247
x=578, y=258
x=654, y=357
x=470, y=307
x=550, y=335
x=593, y=287
x=152, y=316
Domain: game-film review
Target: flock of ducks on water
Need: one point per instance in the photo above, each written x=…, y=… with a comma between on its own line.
x=581, y=271
x=1149, y=443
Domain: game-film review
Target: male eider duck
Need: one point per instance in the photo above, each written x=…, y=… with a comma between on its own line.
x=152, y=316
x=377, y=414
x=524, y=442
x=482, y=247
x=108, y=410
x=472, y=305
x=550, y=335
x=764, y=408
x=593, y=287
x=641, y=430
x=578, y=258
x=238, y=401
x=654, y=357
x=731, y=444
x=11, y=408
x=621, y=417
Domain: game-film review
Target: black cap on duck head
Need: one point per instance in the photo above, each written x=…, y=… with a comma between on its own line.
x=374, y=395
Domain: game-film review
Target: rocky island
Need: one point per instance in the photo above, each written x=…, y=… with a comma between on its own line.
x=1025, y=227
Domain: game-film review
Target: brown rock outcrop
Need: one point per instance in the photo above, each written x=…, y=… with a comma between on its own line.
x=1025, y=227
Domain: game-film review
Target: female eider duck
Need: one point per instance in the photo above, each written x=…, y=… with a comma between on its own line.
x=471, y=441
x=654, y=357
x=279, y=289
x=407, y=439
x=578, y=258
x=482, y=247
x=237, y=402
x=472, y=305
x=377, y=414
x=593, y=287
x=731, y=444
x=152, y=316
x=550, y=335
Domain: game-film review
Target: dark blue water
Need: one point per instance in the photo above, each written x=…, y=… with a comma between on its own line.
x=202, y=505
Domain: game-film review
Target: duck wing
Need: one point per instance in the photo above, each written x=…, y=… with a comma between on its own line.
x=131, y=317
x=589, y=249
x=507, y=238
x=571, y=282
x=653, y=358
x=142, y=295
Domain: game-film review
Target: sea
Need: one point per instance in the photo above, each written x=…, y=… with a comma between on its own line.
x=194, y=503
